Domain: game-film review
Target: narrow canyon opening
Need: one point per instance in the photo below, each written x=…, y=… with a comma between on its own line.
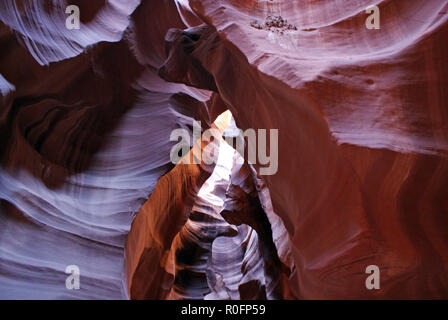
x=229, y=245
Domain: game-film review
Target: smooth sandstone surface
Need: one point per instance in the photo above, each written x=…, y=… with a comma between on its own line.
x=86, y=115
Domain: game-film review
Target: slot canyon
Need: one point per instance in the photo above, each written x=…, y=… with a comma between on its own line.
x=87, y=180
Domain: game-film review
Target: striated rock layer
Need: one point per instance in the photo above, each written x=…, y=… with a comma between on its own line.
x=85, y=121
x=204, y=233
x=362, y=147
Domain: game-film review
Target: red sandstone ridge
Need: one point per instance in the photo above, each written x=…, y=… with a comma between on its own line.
x=365, y=141
x=86, y=179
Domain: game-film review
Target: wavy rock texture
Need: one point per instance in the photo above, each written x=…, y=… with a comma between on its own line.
x=85, y=119
x=149, y=246
x=366, y=186
x=84, y=142
x=187, y=241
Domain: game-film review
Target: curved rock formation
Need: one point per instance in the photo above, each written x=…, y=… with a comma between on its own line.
x=149, y=243
x=85, y=123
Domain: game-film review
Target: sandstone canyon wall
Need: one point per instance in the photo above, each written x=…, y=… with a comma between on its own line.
x=86, y=177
